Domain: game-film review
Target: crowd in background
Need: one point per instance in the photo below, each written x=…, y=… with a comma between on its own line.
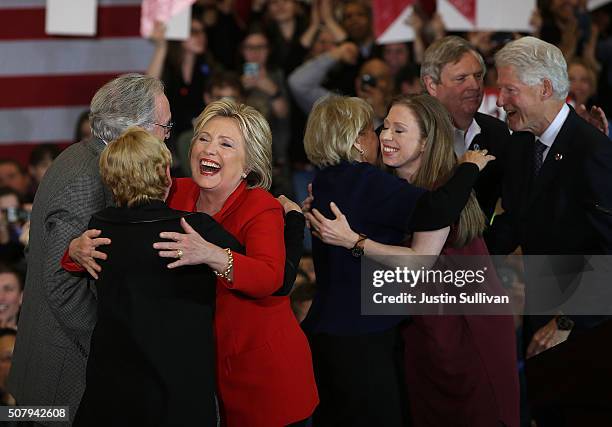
x=281, y=61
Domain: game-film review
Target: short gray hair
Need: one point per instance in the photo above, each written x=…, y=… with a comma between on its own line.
x=448, y=50
x=128, y=100
x=535, y=61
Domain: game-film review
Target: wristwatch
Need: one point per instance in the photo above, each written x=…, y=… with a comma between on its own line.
x=357, y=250
x=564, y=323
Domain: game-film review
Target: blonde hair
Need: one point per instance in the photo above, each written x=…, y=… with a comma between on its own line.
x=255, y=132
x=333, y=126
x=439, y=160
x=134, y=167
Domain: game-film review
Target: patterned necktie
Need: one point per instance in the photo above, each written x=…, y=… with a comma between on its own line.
x=538, y=156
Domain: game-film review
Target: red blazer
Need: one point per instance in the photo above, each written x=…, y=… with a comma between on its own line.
x=264, y=365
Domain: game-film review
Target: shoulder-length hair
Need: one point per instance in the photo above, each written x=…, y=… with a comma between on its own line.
x=333, y=126
x=439, y=160
x=255, y=132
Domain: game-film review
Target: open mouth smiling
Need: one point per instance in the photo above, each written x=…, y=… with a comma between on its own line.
x=209, y=167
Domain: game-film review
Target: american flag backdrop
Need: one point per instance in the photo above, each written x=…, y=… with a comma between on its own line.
x=47, y=81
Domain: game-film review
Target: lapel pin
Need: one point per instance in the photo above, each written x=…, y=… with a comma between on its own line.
x=558, y=156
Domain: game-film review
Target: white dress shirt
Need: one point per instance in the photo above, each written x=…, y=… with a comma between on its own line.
x=550, y=134
x=463, y=139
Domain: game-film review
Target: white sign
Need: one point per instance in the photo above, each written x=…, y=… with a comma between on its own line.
x=176, y=14
x=399, y=31
x=71, y=17
x=476, y=15
x=595, y=4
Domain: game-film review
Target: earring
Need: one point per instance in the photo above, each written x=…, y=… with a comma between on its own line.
x=244, y=175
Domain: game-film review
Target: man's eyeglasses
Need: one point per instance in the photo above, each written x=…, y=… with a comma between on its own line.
x=167, y=127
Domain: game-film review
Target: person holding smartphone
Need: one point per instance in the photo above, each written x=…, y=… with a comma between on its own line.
x=266, y=92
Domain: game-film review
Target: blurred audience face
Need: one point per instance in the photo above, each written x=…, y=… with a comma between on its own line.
x=219, y=92
x=522, y=103
x=196, y=43
x=7, y=344
x=38, y=171
x=255, y=49
x=396, y=55
x=356, y=22
x=218, y=156
x=564, y=8
x=10, y=299
x=82, y=128
x=381, y=72
x=85, y=129
x=324, y=42
x=411, y=87
x=461, y=88
x=9, y=201
x=401, y=140
x=281, y=10
x=581, y=83
x=13, y=177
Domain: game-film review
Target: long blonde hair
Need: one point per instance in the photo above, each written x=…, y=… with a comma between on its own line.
x=439, y=161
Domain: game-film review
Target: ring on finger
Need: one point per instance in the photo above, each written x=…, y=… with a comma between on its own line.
x=179, y=253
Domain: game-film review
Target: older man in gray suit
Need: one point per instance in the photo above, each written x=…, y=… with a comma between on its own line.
x=59, y=308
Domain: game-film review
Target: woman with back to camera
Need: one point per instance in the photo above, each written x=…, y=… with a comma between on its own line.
x=354, y=356
x=462, y=366
x=264, y=367
x=151, y=360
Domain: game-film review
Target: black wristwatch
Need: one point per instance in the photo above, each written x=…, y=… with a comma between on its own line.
x=564, y=323
x=357, y=250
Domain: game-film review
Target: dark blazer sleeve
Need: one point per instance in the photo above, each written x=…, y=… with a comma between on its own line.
x=213, y=232
x=598, y=170
x=502, y=237
x=441, y=208
x=294, y=247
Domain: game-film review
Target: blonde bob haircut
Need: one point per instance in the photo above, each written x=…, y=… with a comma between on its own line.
x=134, y=167
x=255, y=133
x=439, y=161
x=333, y=126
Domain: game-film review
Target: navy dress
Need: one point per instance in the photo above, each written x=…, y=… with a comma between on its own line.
x=355, y=357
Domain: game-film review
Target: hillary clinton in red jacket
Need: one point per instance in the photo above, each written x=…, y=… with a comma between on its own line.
x=264, y=366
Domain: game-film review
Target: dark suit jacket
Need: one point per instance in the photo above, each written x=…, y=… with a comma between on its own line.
x=566, y=209
x=152, y=349
x=494, y=136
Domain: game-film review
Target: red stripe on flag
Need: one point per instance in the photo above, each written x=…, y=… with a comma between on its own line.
x=28, y=24
x=20, y=151
x=50, y=91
